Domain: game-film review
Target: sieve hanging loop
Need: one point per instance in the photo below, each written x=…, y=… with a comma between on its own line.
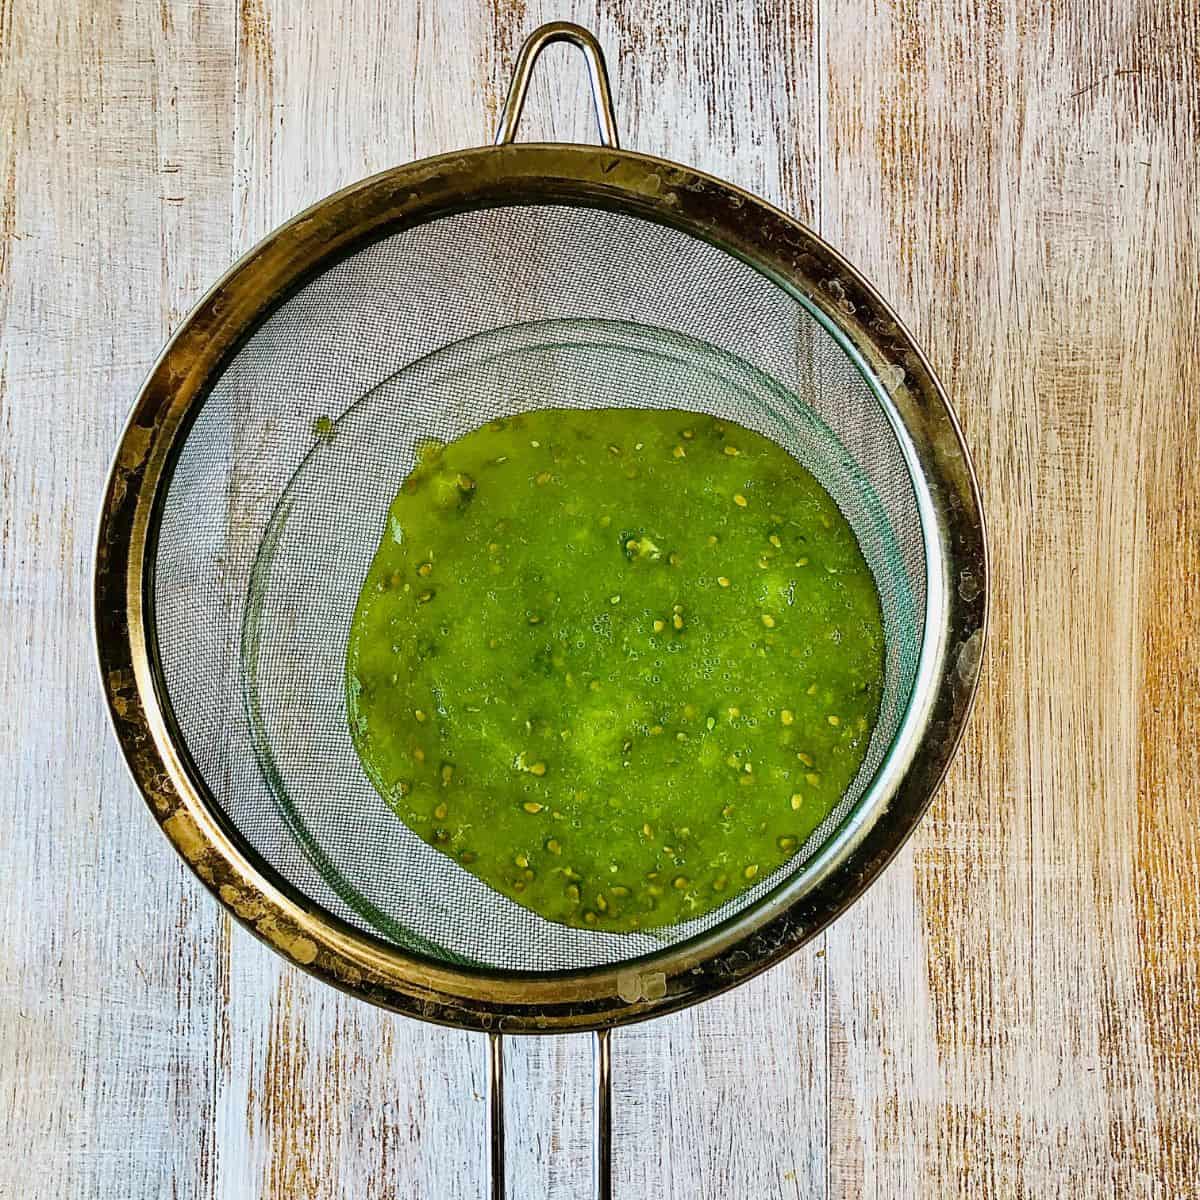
x=538, y=40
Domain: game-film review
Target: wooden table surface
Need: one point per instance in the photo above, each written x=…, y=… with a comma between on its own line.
x=1014, y=1008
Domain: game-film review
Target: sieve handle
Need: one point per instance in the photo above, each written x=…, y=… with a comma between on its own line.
x=601, y=1117
x=538, y=40
x=495, y=1117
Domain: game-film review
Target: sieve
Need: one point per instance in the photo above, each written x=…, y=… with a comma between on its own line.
x=252, y=480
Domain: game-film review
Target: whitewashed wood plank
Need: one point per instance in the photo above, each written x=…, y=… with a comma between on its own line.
x=115, y=149
x=321, y=1095
x=730, y=1098
x=1011, y=179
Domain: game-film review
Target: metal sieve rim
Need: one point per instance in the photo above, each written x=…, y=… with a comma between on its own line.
x=641, y=185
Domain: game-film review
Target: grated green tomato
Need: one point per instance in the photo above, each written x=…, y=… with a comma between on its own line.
x=618, y=664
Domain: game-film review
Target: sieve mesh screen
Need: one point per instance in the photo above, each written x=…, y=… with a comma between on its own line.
x=267, y=527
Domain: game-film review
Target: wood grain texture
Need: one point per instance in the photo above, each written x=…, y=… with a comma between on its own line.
x=1013, y=1008
x=1027, y=210
x=116, y=149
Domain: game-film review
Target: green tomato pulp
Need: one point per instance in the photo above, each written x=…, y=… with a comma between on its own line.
x=618, y=664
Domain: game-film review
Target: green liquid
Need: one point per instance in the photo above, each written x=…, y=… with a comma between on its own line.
x=618, y=663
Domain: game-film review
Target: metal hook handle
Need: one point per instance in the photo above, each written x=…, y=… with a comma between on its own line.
x=601, y=1117
x=495, y=1117
x=538, y=40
